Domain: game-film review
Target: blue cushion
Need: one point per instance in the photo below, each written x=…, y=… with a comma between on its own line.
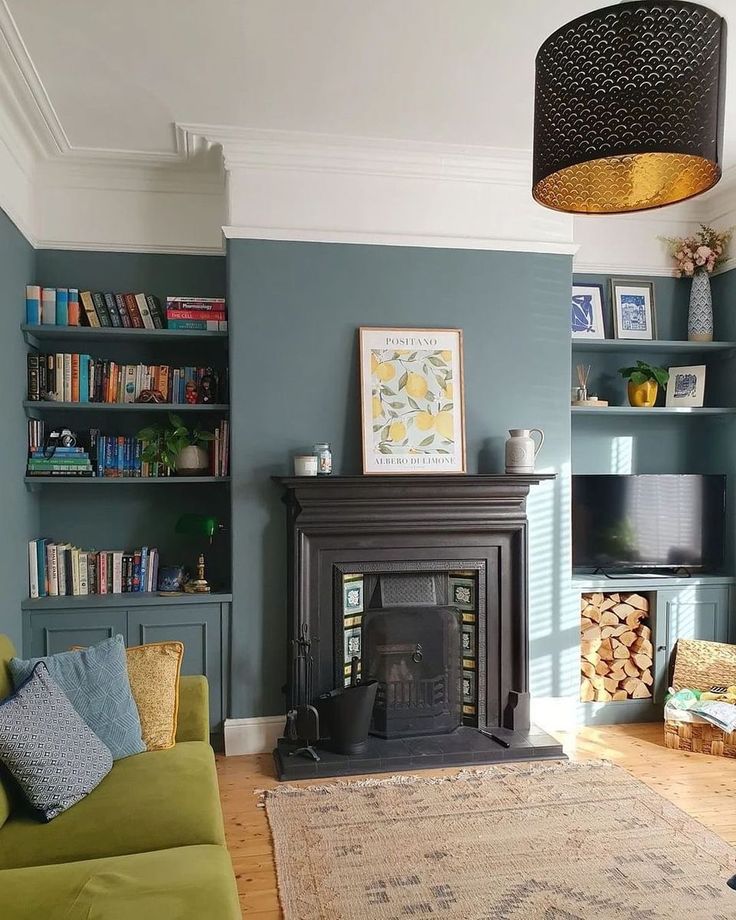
x=52, y=753
x=96, y=682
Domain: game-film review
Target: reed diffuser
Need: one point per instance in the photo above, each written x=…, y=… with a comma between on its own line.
x=583, y=372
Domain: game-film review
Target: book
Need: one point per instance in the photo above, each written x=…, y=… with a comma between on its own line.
x=98, y=299
x=123, y=310
x=112, y=309
x=73, y=307
x=145, y=313
x=75, y=378
x=43, y=574
x=195, y=325
x=206, y=315
x=214, y=304
x=83, y=572
x=133, y=311
x=34, y=389
x=154, y=308
x=117, y=572
x=61, y=574
x=33, y=306
x=62, y=307
x=52, y=569
x=48, y=306
x=33, y=589
x=89, y=309
x=67, y=378
x=75, y=580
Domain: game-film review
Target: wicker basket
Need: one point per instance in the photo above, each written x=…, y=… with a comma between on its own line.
x=699, y=666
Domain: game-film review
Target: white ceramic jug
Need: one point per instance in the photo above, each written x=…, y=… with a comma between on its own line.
x=521, y=449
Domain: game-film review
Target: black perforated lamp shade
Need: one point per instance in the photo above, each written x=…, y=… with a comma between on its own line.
x=628, y=110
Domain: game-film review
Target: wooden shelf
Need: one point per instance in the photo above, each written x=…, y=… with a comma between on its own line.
x=127, y=600
x=176, y=408
x=645, y=582
x=631, y=411
x=113, y=333
x=33, y=481
x=664, y=345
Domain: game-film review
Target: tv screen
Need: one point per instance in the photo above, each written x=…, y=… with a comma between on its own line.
x=648, y=522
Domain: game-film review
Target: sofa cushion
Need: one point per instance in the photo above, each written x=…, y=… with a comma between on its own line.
x=52, y=753
x=194, y=882
x=96, y=682
x=152, y=801
x=154, y=679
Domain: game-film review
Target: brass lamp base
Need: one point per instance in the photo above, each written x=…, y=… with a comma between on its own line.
x=198, y=585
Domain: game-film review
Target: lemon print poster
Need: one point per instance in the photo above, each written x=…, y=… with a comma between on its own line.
x=412, y=391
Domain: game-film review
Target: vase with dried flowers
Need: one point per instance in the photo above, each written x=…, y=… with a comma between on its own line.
x=696, y=256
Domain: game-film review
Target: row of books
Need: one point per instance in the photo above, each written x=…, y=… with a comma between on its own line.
x=204, y=314
x=57, y=569
x=47, y=306
x=84, y=379
x=110, y=456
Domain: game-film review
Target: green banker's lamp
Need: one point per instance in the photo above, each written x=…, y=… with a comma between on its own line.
x=197, y=526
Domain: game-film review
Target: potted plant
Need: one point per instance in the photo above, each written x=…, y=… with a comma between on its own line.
x=644, y=383
x=175, y=447
x=696, y=256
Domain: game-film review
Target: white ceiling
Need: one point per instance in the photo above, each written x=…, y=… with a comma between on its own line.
x=119, y=74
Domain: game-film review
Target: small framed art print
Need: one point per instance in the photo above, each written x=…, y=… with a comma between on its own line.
x=411, y=387
x=686, y=387
x=633, y=309
x=587, y=311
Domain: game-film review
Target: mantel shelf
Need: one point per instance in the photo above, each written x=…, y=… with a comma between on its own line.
x=51, y=406
x=111, y=334
x=632, y=411
x=662, y=345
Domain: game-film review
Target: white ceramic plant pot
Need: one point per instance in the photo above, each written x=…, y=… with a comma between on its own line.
x=192, y=461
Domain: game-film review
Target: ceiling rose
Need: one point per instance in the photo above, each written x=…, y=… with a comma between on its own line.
x=628, y=109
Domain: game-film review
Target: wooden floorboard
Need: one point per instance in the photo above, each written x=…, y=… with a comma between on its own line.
x=704, y=787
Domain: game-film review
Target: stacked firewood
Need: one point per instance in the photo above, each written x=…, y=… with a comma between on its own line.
x=616, y=649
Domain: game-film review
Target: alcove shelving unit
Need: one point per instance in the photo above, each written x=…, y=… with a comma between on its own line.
x=129, y=512
x=621, y=439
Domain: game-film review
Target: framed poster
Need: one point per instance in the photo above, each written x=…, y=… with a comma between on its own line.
x=411, y=389
x=686, y=387
x=633, y=309
x=587, y=311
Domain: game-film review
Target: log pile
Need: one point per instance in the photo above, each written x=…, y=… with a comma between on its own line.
x=616, y=651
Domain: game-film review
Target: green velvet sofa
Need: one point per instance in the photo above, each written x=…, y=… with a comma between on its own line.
x=148, y=842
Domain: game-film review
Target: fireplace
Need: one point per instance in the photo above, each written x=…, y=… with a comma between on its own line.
x=418, y=582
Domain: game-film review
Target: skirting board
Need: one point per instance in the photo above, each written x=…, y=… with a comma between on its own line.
x=253, y=736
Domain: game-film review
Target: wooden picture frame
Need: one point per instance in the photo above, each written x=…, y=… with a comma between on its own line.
x=634, y=315
x=686, y=387
x=412, y=400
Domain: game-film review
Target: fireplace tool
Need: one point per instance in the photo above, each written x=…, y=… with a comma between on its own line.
x=302, y=719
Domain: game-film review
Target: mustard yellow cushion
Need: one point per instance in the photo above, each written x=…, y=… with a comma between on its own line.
x=154, y=680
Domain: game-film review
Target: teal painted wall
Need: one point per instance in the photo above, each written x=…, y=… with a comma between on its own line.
x=19, y=507
x=294, y=312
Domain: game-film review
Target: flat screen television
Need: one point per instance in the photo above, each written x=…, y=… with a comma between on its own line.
x=648, y=522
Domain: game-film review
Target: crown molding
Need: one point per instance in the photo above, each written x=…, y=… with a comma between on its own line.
x=97, y=246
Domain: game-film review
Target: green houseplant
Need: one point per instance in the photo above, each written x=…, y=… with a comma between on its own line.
x=644, y=381
x=175, y=447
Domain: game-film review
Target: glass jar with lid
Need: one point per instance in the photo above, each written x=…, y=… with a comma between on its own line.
x=324, y=459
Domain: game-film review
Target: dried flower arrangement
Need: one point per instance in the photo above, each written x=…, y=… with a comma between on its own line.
x=703, y=251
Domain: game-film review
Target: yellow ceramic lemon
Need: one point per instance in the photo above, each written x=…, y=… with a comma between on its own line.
x=397, y=431
x=424, y=421
x=416, y=385
x=377, y=407
x=385, y=371
x=444, y=424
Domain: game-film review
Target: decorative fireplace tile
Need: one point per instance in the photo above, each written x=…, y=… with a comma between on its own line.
x=352, y=644
x=352, y=589
x=469, y=691
x=468, y=637
x=463, y=592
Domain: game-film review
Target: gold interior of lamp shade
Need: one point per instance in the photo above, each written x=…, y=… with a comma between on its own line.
x=613, y=185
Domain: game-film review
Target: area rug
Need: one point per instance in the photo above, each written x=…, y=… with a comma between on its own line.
x=539, y=841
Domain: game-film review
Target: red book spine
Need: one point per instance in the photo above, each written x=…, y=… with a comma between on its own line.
x=133, y=311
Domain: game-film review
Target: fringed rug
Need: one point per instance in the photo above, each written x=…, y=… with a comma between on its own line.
x=519, y=842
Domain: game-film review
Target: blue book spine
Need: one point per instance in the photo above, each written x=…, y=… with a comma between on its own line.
x=144, y=569
x=84, y=361
x=128, y=459
x=33, y=304
x=62, y=307
x=59, y=452
x=109, y=464
x=119, y=458
x=41, y=558
x=101, y=455
x=138, y=462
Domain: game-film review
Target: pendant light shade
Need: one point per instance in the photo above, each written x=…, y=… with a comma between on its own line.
x=628, y=110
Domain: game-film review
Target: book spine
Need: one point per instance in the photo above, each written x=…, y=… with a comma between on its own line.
x=62, y=307
x=48, y=306
x=206, y=315
x=67, y=378
x=123, y=310
x=74, y=317
x=52, y=569
x=33, y=306
x=194, y=325
x=59, y=376
x=117, y=572
x=145, y=313
x=92, y=570
x=32, y=569
x=101, y=309
x=61, y=571
x=84, y=573
x=75, y=377
x=134, y=312
x=43, y=572
x=102, y=572
x=130, y=383
x=112, y=309
x=154, y=308
x=145, y=561
x=76, y=589
x=88, y=305
x=34, y=390
x=84, y=362
x=136, y=581
x=214, y=304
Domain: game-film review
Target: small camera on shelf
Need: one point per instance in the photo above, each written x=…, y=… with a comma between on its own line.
x=62, y=438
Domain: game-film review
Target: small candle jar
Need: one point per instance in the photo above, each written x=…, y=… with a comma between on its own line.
x=324, y=459
x=305, y=465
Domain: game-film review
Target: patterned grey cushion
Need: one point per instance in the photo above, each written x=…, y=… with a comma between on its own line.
x=47, y=746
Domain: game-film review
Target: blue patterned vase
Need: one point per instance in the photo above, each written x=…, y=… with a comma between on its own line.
x=700, y=315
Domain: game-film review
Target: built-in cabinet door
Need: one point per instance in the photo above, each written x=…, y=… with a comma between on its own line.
x=199, y=627
x=49, y=633
x=694, y=613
